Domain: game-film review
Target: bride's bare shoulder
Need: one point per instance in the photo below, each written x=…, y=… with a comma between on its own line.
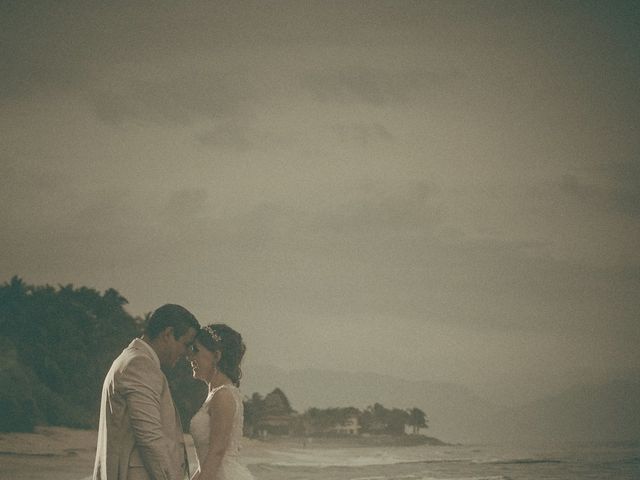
x=223, y=401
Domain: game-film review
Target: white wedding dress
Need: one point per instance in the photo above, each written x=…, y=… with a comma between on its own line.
x=231, y=468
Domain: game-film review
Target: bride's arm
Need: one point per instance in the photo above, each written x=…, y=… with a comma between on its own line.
x=221, y=410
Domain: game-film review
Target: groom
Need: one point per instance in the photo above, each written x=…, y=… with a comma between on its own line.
x=139, y=435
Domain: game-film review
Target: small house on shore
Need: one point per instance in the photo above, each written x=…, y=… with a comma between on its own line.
x=276, y=417
x=350, y=426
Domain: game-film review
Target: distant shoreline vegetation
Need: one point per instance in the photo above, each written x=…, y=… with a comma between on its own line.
x=57, y=344
x=273, y=415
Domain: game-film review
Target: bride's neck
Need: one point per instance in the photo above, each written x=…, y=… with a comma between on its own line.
x=218, y=380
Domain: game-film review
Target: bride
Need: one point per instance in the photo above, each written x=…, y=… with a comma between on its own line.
x=217, y=427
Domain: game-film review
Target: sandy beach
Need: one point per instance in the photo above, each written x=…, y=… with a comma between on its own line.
x=54, y=453
x=58, y=453
x=49, y=453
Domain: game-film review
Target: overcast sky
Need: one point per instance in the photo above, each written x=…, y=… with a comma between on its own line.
x=432, y=190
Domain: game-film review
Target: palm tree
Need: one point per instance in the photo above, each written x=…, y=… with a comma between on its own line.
x=113, y=296
x=417, y=419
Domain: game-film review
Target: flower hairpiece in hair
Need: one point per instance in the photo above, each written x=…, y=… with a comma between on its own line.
x=215, y=335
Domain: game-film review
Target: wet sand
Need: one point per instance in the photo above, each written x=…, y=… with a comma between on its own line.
x=57, y=453
x=50, y=453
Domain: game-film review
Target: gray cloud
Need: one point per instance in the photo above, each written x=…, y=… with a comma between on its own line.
x=186, y=204
x=375, y=86
x=315, y=188
x=35, y=53
x=179, y=100
x=626, y=188
x=593, y=194
x=484, y=286
x=228, y=135
x=65, y=235
x=375, y=213
x=71, y=45
x=413, y=207
x=388, y=253
x=364, y=134
x=621, y=194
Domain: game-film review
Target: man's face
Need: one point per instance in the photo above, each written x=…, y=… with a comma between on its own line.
x=178, y=348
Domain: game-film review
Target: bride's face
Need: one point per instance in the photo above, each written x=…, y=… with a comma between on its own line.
x=202, y=362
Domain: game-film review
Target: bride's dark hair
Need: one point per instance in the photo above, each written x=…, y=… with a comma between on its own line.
x=218, y=337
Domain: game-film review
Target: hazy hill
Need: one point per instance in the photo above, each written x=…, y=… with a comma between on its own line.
x=609, y=411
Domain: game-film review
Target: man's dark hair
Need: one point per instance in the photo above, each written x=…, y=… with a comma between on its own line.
x=170, y=315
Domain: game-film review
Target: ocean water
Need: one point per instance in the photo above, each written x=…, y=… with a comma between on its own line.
x=567, y=462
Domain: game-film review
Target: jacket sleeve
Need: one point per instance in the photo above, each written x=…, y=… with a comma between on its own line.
x=141, y=383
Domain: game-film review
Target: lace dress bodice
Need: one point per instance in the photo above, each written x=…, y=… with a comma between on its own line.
x=231, y=469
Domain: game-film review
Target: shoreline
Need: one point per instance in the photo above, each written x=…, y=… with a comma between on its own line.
x=352, y=441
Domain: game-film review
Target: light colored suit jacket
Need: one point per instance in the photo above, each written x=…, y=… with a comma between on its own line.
x=139, y=426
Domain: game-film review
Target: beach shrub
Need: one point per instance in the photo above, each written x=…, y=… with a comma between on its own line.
x=18, y=410
x=63, y=340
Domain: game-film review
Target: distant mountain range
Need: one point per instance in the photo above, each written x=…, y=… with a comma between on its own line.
x=606, y=412
x=609, y=411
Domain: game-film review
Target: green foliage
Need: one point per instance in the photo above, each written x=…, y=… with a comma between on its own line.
x=322, y=419
x=63, y=341
x=253, y=412
x=375, y=419
x=417, y=419
x=276, y=403
x=378, y=419
x=18, y=409
x=260, y=412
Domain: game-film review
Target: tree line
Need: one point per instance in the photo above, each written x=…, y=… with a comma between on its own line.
x=274, y=414
x=57, y=344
